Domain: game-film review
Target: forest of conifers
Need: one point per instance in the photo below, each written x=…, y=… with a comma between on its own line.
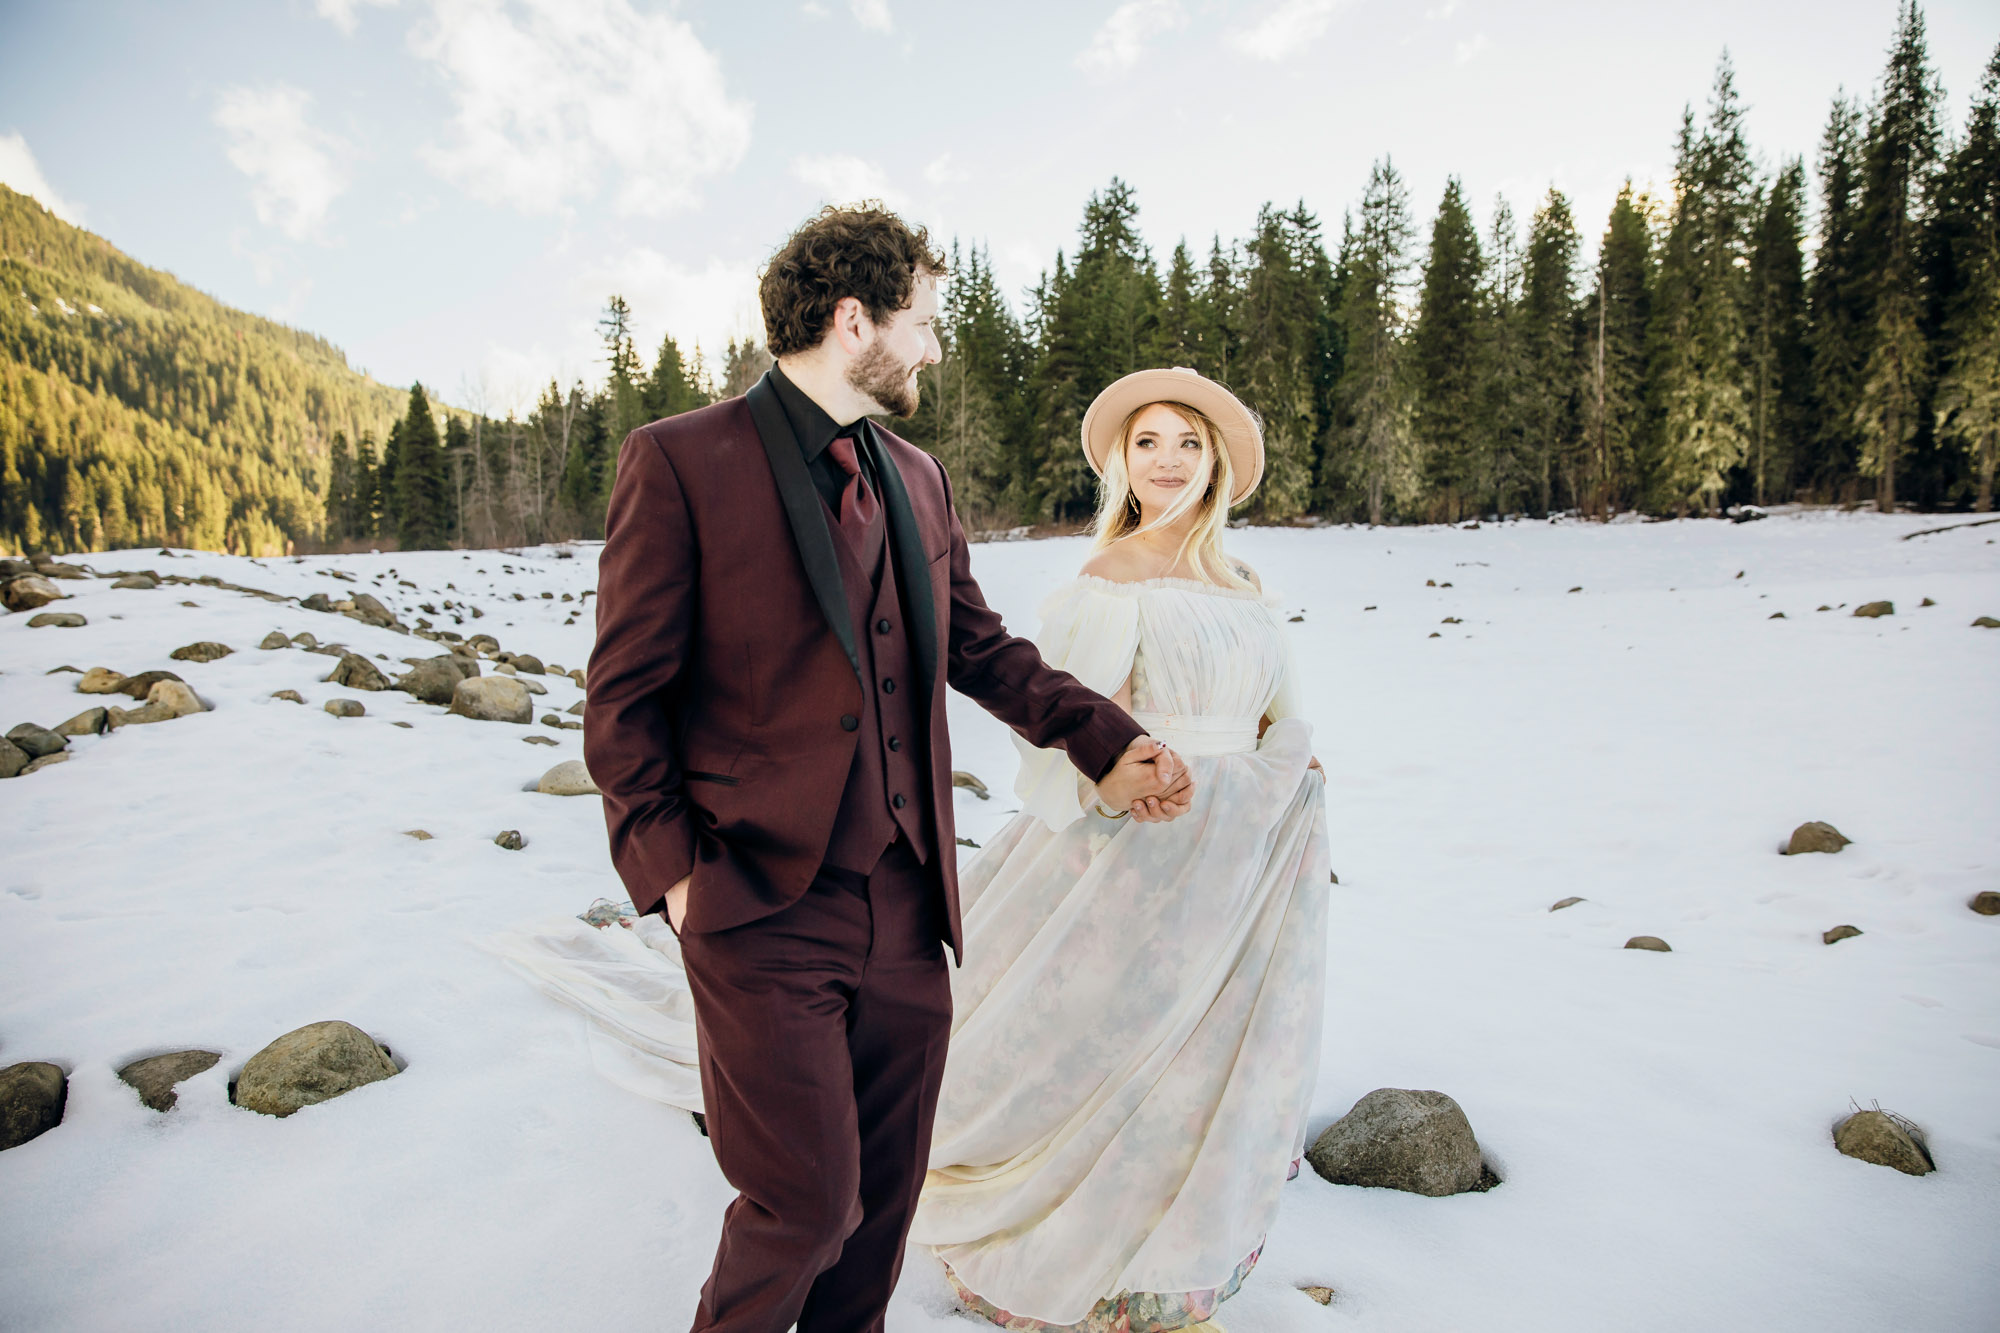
x=1766, y=332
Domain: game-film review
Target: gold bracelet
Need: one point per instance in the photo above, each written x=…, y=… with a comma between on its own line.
x=1110, y=814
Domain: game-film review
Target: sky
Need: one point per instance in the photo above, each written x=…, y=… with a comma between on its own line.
x=449, y=190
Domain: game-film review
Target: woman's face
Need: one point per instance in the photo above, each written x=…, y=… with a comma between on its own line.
x=1163, y=458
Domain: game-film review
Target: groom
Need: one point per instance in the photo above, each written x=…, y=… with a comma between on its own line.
x=783, y=596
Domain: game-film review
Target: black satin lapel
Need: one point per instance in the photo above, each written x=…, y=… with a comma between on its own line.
x=913, y=568
x=806, y=513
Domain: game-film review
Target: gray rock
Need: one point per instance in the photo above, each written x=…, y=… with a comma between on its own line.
x=56, y=570
x=1323, y=1295
x=12, y=567
x=369, y=611
x=57, y=620
x=1986, y=902
x=511, y=840
x=141, y=685
x=1986, y=622
x=90, y=722
x=483, y=643
x=346, y=707
x=960, y=778
x=31, y=1100
x=304, y=640
x=154, y=1077
x=1839, y=933
x=529, y=663
x=1874, y=610
x=311, y=1064
x=1566, y=902
x=166, y=700
x=575, y=709
x=1652, y=943
x=59, y=670
x=1886, y=1140
x=576, y=674
x=36, y=741
x=28, y=592
x=1404, y=1139
x=138, y=582
x=319, y=601
x=532, y=686
x=434, y=679
x=539, y=739
x=569, y=778
x=357, y=673
x=101, y=680
x=492, y=699
x=47, y=761
x=13, y=758
x=292, y=696
x=205, y=651
x=274, y=640
x=1814, y=836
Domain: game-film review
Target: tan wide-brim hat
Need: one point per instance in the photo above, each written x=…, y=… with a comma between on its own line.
x=1242, y=432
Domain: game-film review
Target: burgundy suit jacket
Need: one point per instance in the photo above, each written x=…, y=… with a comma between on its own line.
x=724, y=662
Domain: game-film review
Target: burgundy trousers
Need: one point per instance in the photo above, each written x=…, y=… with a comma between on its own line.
x=822, y=1031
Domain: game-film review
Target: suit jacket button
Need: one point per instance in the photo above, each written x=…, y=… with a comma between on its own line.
x=898, y=801
x=882, y=626
x=888, y=686
x=895, y=743
x=849, y=722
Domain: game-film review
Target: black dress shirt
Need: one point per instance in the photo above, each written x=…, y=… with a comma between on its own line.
x=815, y=430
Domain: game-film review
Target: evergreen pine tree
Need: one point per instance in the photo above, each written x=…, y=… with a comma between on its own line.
x=1377, y=449
x=1216, y=318
x=420, y=482
x=1501, y=451
x=1551, y=375
x=387, y=500
x=744, y=363
x=1616, y=315
x=1178, y=339
x=339, y=489
x=1281, y=308
x=1968, y=397
x=1446, y=348
x=457, y=463
x=1780, y=359
x=1837, y=308
x=361, y=514
x=673, y=387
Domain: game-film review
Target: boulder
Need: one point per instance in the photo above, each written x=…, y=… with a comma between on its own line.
x=31, y=1101
x=533, y=686
x=311, y=1064
x=1986, y=902
x=28, y=592
x=346, y=707
x=1986, y=622
x=1875, y=610
x=1566, y=902
x=13, y=759
x=141, y=685
x=1399, y=1138
x=505, y=668
x=304, y=640
x=433, y=679
x=57, y=620
x=168, y=699
x=36, y=741
x=1650, y=942
x=1814, y=836
x=575, y=709
x=576, y=674
x=529, y=663
x=319, y=601
x=90, y=722
x=12, y=567
x=205, y=651
x=569, y=778
x=101, y=680
x=357, y=673
x=1886, y=1140
x=154, y=1077
x=1839, y=933
x=138, y=582
x=539, y=740
x=483, y=643
x=57, y=570
x=511, y=840
x=47, y=761
x=371, y=612
x=274, y=640
x=290, y=696
x=492, y=699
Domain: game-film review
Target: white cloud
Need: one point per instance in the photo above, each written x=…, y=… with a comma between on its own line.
x=20, y=173
x=842, y=179
x=1286, y=30
x=1443, y=11
x=555, y=98
x=1464, y=51
x=1120, y=43
x=709, y=305
x=943, y=171
x=872, y=14
x=343, y=14
x=295, y=171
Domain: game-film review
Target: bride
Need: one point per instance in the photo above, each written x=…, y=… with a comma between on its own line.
x=1137, y=1023
x=1136, y=1028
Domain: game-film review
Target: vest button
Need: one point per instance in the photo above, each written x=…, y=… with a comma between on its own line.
x=849, y=722
x=898, y=801
x=888, y=686
x=882, y=626
x=895, y=743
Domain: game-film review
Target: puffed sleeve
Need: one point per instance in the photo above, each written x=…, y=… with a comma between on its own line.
x=1092, y=633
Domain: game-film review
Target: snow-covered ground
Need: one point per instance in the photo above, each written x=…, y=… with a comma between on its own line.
x=1661, y=1120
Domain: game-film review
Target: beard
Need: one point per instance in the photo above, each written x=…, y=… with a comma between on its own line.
x=879, y=376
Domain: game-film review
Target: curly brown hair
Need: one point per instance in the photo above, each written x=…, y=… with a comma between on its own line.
x=865, y=252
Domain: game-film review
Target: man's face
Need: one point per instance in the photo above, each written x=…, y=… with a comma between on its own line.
x=886, y=370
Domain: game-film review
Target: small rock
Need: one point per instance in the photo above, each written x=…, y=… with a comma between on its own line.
x=960, y=778
x=1566, y=902
x=569, y=778
x=319, y=601
x=433, y=679
x=1776, y=615
x=90, y=722
x=1652, y=942
x=57, y=620
x=155, y=1076
x=511, y=840
x=1986, y=622
x=28, y=592
x=1822, y=607
x=1324, y=1295
x=532, y=686
x=138, y=582
x=13, y=759
x=275, y=639
x=967, y=842
x=1884, y=1139
x=1927, y=602
x=59, y=670
x=311, y=1064
x=1405, y=1139
x=1839, y=933
x=47, y=761
x=552, y=720
x=304, y=640
x=56, y=570
x=1875, y=610
x=292, y=696
x=1815, y=836
x=36, y=741
x=492, y=699
x=205, y=651
x=576, y=674
x=575, y=709
x=539, y=739
x=1577, y=588
x=31, y=1099
x=357, y=673
x=1986, y=902
x=505, y=668
x=529, y=663
x=346, y=708
x=372, y=612
x=421, y=835
x=166, y=700
x=141, y=685
x=406, y=726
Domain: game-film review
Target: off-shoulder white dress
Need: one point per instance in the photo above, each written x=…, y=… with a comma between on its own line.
x=1137, y=1022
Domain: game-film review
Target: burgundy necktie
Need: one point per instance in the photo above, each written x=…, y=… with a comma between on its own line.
x=857, y=502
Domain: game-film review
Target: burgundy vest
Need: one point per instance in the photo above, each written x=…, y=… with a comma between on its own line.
x=887, y=788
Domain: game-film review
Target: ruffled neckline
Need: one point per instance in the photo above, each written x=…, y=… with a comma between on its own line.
x=1134, y=587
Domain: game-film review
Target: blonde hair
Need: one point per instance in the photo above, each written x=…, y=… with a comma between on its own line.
x=1118, y=507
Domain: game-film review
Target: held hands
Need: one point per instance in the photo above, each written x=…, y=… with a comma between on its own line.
x=1150, y=781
